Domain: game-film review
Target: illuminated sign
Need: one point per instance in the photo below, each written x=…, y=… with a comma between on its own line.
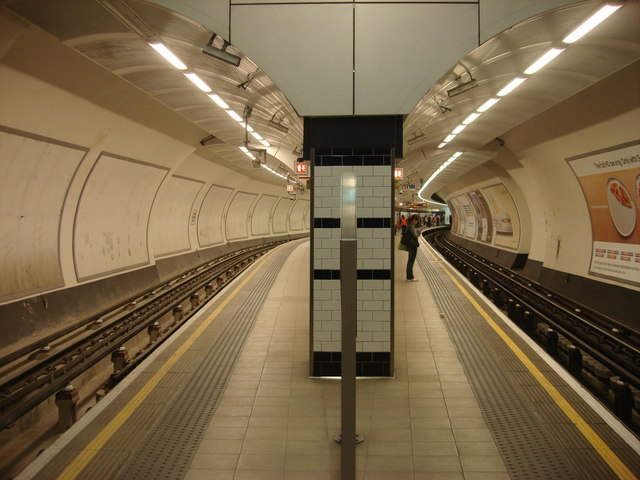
x=398, y=174
x=290, y=188
x=301, y=168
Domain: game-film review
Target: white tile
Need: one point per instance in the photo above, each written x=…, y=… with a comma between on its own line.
x=380, y=336
x=381, y=191
x=372, y=182
x=381, y=316
x=380, y=295
x=382, y=171
x=365, y=192
x=330, y=305
x=363, y=170
x=372, y=326
x=381, y=253
x=319, y=192
x=373, y=305
x=320, y=212
x=331, y=326
x=331, y=346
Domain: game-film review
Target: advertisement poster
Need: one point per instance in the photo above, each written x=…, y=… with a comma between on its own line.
x=456, y=226
x=469, y=216
x=610, y=183
x=483, y=213
x=506, y=222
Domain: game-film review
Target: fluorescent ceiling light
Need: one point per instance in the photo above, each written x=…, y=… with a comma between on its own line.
x=234, y=115
x=442, y=144
x=470, y=118
x=590, y=23
x=197, y=81
x=543, y=60
x=458, y=129
x=437, y=172
x=511, y=86
x=256, y=135
x=249, y=127
x=221, y=103
x=168, y=56
x=448, y=138
x=265, y=143
x=247, y=152
x=488, y=104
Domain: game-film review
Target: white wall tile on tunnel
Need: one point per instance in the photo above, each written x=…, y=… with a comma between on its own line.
x=110, y=231
x=171, y=214
x=238, y=214
x=210, y=217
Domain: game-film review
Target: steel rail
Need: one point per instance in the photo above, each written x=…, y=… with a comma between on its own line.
x=546, y=304
x=26, y=389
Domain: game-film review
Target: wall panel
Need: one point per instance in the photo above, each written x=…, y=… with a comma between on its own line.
x=170, y=217
x=261, y=215
x=210, y=219
x=35, y=176
x=281, y=215
x=110, y=232
x=238, y=215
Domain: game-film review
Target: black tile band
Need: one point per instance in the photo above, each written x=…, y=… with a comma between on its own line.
x=368, y=364
x=351, y=160
x=361, y=222
x=374, y=274
x=319, y=274
x=374, y=223
x=383, y=274
x=326, y=222
x=352, y=151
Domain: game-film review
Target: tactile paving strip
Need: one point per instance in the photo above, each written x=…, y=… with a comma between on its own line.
x=527, y=445
x=170, y=446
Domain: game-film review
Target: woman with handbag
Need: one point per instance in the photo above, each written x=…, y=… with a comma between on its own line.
x=410, y=240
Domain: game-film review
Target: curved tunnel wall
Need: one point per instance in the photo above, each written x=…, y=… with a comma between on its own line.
x=102, y=191
x=557, y=235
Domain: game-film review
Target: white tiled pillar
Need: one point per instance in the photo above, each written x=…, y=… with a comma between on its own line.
x=373, y=168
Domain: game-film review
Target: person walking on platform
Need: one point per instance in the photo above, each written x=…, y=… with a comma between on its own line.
x=410, y=240
x=403, y=224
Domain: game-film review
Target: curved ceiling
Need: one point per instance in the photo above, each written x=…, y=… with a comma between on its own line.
x=92, y=29
x=609, y=47
x=120, y=45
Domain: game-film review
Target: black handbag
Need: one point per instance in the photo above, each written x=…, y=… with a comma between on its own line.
x=408, y=240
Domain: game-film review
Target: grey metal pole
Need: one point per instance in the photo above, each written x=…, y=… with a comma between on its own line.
x=348, y=291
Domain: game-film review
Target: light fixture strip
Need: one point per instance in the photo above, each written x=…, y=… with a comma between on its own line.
x=458, y=129
x=543, y=60
x=470, y=118
x=198, y=82
x=168, y=55
x=219, y=101
x=590, y=23
x=234, y=115
x=437, y=172
x=488, y=104
x=511, y=86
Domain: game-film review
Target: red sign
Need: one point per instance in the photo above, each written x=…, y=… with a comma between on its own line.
x=301, y=168
x=398, y=174
x=290, y=188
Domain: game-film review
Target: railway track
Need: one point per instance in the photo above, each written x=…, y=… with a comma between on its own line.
x=36, y=372
x=600, y=352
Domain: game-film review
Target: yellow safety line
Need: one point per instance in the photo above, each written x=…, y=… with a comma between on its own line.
x=620, y=469
x=91, y=450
